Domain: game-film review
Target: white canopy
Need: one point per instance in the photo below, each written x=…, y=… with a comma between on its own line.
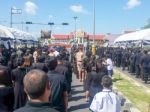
x=135, y=36
x=18, y=34
x=5, y=33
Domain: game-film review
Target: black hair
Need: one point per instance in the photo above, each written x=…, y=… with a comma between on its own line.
x=41, y=59
x=106, y=81
x=20, y=61
x=35, y=83
x=52, y=63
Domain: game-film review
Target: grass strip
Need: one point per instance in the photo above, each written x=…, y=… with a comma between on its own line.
x=135, y=93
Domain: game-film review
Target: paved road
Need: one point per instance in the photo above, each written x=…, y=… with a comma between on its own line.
x=77, y=102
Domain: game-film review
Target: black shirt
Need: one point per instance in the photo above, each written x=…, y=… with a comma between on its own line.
x=36, y=107
x=58, y=87
x=6, y=99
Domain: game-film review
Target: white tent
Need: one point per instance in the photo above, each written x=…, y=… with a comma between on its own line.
x=18, y=34
x=5, y=33
x=135, y=36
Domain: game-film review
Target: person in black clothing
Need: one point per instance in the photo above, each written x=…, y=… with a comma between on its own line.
x=6, y=92
x=124, y=59
x=40, y=64
x=59, y=95
x=132, y=63
x=94, y=79
x=37, y=87
x=144, y=63
x=17, y=79
x=137, y=63
x=62, y=69
x=118, y=57
x=67, y=64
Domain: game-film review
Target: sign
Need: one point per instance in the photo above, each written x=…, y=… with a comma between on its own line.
x=16, y=11
x=80, y=34
x=46, y=34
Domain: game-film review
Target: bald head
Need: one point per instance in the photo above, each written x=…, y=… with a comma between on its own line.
x=35, y=83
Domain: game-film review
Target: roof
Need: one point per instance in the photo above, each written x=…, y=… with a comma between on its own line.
x=135, y=36
x=65, y=37
x=61, y=37
x=96, y=37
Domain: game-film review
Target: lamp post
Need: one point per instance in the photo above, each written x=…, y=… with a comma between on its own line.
x=93, y=21
x=93, y=46
x=75, y=34
x=14, y=11
x=11, y=17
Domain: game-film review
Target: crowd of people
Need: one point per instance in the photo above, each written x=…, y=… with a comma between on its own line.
x=39, y=79
x=23, y=81
x=135, y=60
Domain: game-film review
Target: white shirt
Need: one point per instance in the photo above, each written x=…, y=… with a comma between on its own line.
x=109, y=64
x=56, y=53
x=105, y=101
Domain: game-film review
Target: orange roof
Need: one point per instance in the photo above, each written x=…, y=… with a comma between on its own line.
x=90, y=37
x=96, y=37
x=61, y=37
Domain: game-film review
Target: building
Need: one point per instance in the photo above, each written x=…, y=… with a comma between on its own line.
x=80, y=37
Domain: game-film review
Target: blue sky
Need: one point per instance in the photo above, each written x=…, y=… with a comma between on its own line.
x=112, y=16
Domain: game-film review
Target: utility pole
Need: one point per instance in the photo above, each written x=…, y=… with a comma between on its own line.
x=14, y=11
x=93, y=21
x=11, y=17
x=75, y=34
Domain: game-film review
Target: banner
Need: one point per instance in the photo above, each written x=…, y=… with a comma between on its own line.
x=46, y=34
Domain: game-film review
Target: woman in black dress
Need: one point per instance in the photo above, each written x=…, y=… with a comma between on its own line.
x=94, y=78
x=17, y=78
x=6, y=92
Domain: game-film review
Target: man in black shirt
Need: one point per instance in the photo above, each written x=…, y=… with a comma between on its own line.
x=37, y=87
x=144, y=62
x=59, y=95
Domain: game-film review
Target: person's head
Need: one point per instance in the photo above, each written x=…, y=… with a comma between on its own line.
x=36, y=85
x=106, y=82
x=20, y=61
x=59, y=60
x=41, y=59
x=52, y=63
x=145, y=51
x=80, y=49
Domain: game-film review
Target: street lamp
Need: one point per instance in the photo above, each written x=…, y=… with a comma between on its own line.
x=75, y=20
x=14, y=11
x=93, y=21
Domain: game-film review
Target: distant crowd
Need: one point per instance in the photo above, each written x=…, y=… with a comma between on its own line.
x=39, y=79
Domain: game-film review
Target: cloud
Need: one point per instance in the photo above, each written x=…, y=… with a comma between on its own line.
x=78, y=9
x=50, y=16
x=132, y=4
x=31, y=8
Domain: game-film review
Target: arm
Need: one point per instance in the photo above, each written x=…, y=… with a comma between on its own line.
x=65, y=96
